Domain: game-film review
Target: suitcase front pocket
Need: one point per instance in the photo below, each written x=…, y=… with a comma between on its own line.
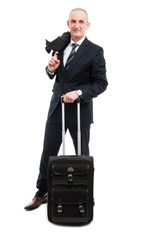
x=69, y=203
x=69, y=174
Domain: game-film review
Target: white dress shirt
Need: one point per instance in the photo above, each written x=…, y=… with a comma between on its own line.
x=68, y=50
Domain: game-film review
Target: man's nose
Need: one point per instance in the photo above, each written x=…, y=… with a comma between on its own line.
x=77, y=25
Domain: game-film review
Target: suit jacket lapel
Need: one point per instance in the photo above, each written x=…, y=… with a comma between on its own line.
x=78, y=55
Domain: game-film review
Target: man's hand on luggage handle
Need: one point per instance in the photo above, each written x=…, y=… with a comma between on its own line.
x=54, y=63
x=70, y=97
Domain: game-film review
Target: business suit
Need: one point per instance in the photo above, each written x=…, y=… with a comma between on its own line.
x=87, y=72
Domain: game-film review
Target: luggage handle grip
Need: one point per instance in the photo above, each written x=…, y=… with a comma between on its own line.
x=78, y=100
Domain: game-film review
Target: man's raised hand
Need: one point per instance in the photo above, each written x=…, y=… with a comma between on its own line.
x=54, y=63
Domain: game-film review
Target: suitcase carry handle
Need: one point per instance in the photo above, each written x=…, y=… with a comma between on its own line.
x=78, y=101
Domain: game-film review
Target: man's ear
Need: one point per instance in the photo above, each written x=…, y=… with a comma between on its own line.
x=88, y=25
x=68, y=23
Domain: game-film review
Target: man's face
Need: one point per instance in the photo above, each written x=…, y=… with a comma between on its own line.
x=78, y=25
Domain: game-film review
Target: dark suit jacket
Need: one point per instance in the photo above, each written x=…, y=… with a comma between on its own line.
x=86, y=72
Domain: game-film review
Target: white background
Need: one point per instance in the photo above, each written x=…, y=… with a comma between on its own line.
x=124, y=138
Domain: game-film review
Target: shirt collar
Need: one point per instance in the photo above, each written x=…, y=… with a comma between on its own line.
x=79, y=42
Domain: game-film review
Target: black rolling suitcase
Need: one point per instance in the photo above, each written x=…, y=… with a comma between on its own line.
x=70, y=184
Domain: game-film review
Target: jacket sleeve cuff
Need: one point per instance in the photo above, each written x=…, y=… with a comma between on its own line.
x=50, y=74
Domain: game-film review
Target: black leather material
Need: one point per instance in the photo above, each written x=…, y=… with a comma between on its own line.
x=64, y=196
x=59, y=43
x=70, y=189
x=70, y=173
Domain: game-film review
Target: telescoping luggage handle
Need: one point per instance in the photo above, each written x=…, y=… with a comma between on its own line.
x=78, y=101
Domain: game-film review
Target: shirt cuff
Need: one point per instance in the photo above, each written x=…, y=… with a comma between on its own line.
x=51, y=73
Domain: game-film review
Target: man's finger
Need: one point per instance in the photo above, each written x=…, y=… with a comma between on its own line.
x=57, y=61
x=55, y=55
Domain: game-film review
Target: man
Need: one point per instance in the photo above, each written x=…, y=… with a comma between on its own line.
x=79, y=67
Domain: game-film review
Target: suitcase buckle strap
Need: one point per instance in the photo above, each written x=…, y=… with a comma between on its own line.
x=59, y=208
x=70, y=178
x=81, y=209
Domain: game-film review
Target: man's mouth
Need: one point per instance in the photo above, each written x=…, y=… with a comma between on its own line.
x=76, y=30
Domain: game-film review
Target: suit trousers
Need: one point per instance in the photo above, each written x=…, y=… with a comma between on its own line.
x=53, y=140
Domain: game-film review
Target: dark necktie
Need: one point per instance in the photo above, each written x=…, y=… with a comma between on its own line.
x=71, y=56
